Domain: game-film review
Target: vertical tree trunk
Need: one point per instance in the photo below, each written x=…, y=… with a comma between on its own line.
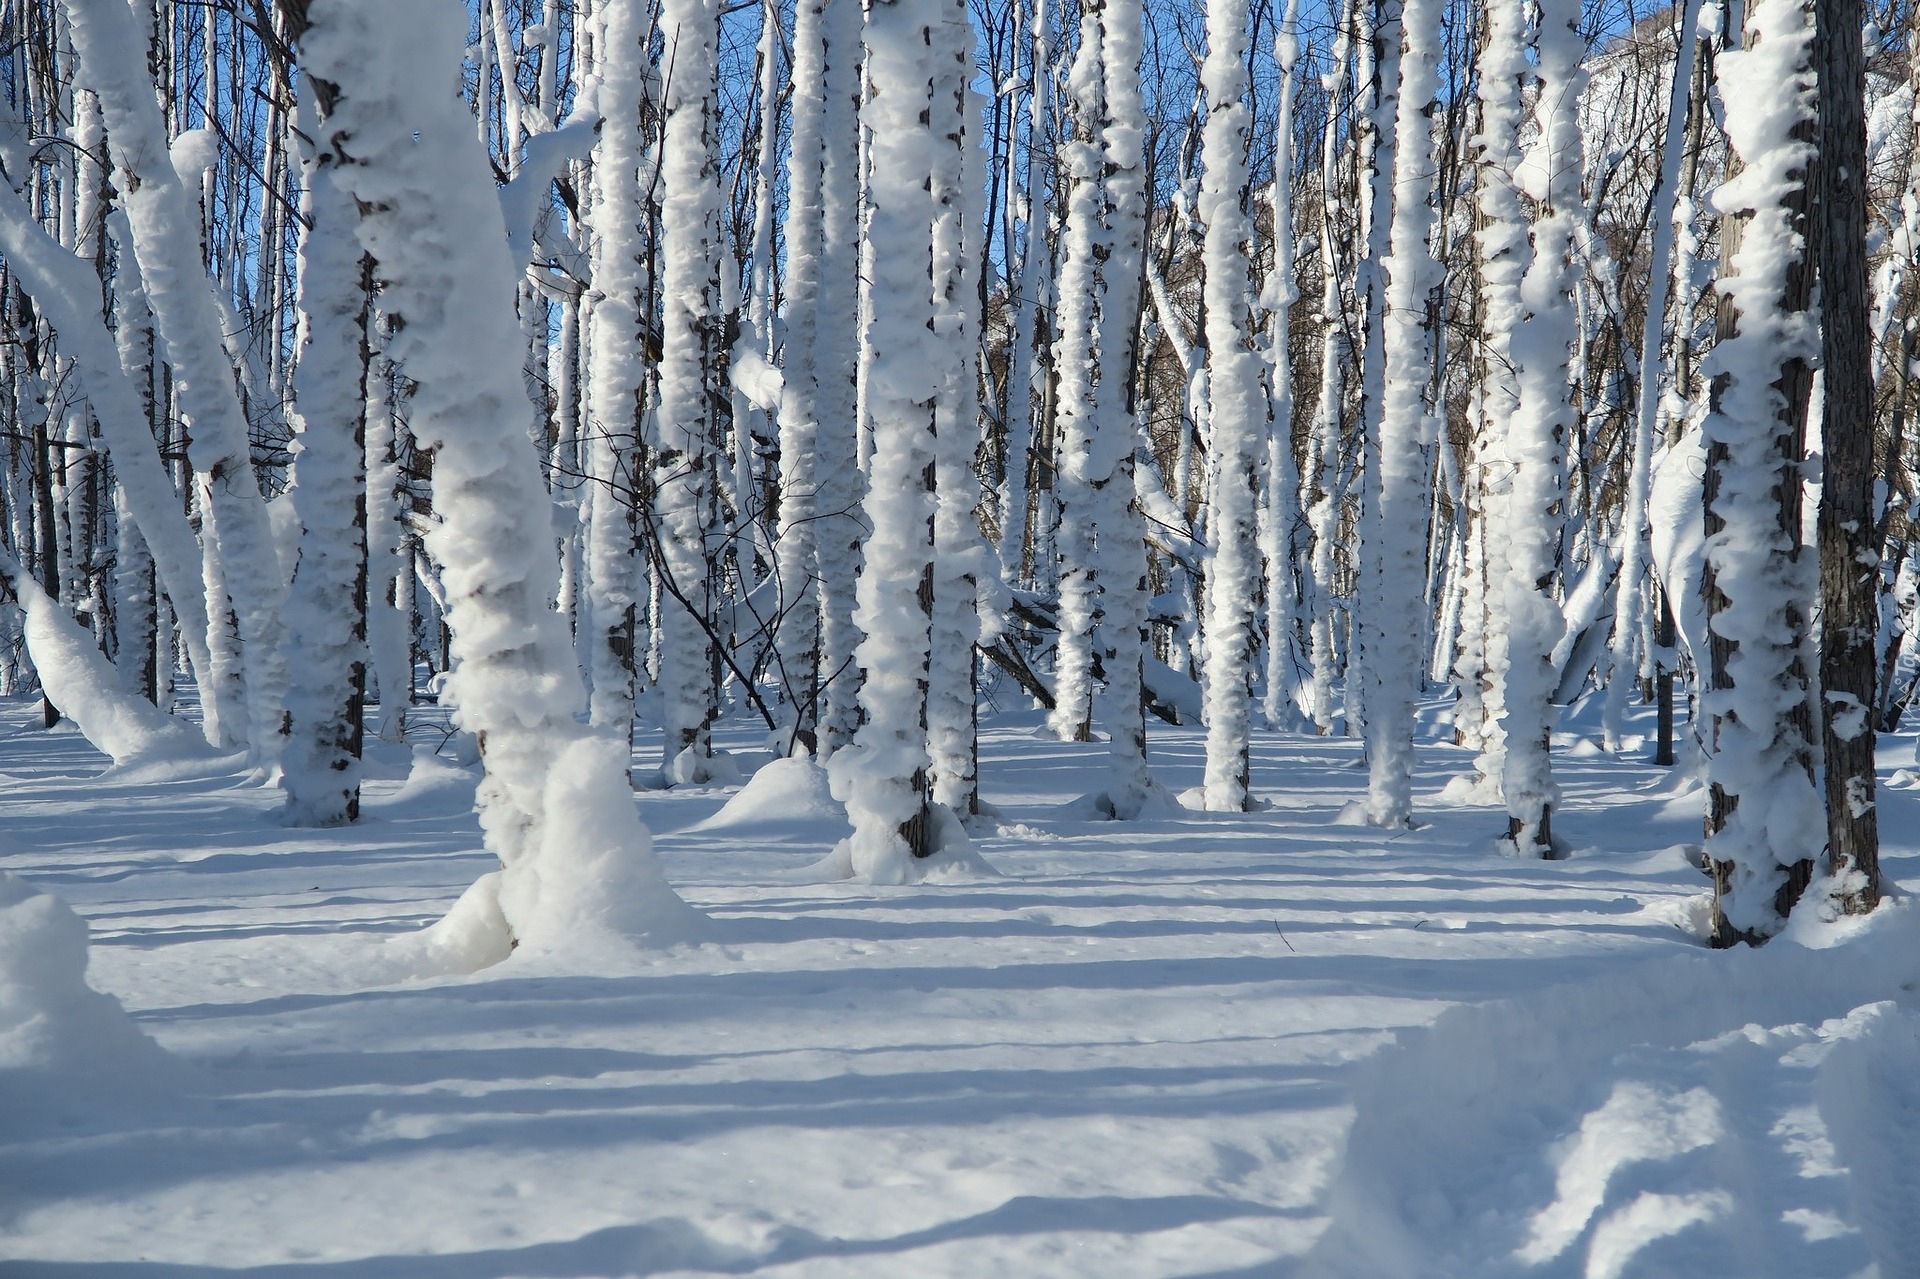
x=1764, y=822
x=1849, y=541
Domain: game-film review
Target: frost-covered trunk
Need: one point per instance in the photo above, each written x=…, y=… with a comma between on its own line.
x=1279, y=511
x=1083, y=245
x=1321, y=491
x=1237, y=409
x=1501, y=255
x=840, y=527
x=797, y=558
x=189, y=316
x=689, y=396
x=1541, y=345
x=1101, y=536
x=389, y=578
x=622, y=293
x=1849, y=549
x=104, y=372
x=1402, y=427
x=327, y=603
x=881, y=776
x=1630, y=601
x=1764, y=825
x=1034, y=286
x=554, y=804
x=961, y=560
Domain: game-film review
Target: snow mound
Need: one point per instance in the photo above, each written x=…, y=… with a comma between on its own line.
x=59, y=1038
x=782, y=794
x=1748, y=1113
x=953, y=860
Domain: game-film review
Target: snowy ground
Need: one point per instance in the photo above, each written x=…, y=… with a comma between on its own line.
x=1168, y=1048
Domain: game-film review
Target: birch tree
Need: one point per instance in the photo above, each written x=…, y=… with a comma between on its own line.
x=1764, y=823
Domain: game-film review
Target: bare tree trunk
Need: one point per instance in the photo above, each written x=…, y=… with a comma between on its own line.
x=1849, y=545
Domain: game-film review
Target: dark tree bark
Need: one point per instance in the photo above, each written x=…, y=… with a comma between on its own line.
x=1849, y=549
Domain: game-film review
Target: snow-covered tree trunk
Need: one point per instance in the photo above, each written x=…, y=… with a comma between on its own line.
x=840, y=526
x=1402, y=431
x=1101, y=538
x=881, y=776
x=1630, y=601
x=1501, y=255
x=690, y=346
x=622, y=293
x=104, y=371
x=1764, y=824
x=554, y=805
x=1849, y=548
x=112, y=55
x=961, y=559
x=1084, y=243
x=1237, y=412
x=1542, y=346
x=1321, y=496
x=797, y=563
x=1120, y=530
x=327, y=603
x=389, y=579
x=1280, y=510
x=1034, y=285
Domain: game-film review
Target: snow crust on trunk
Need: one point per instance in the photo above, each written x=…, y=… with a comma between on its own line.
x=617, y=370
x=1237, y=410
x=554, y=805
x=1404, y=430
x=841, y=525
x=689, y=289
x=1758, y=753
x=1542, y=346
x=964, y=574
x=166, y=239
x=327, y=602
x=797, y=563
x=60, y=282
x=77, y=678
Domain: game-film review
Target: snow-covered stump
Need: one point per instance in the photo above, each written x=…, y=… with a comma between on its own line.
x=112, y=53
x=577, y=865
x=1237, y=410
x=1541, y=346
x=1765, y=824
x=1403, y=430
x=326, y=613
x=690, y=346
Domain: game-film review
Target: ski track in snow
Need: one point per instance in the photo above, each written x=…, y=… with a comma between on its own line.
x=1161, y=1048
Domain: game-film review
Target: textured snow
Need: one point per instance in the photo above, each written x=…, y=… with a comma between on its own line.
x=1190, y=1045
x=1144, y=1050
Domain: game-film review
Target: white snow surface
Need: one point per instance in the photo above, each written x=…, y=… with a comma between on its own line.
x=1200, y=1044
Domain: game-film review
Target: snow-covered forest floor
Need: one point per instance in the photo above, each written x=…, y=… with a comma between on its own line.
x=1175, y=1047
